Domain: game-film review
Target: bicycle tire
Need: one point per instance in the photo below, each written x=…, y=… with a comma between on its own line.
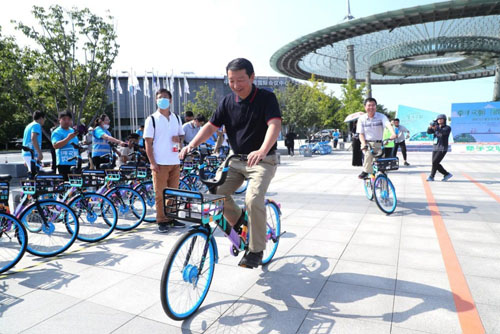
x=13, y=241
x=129, y=205
x=273, y=231
x=242, y=188
x=385, y=194
x=180, y=296
x=55, y=227
x=367, y=183
x=147, y=191
x=96, y=222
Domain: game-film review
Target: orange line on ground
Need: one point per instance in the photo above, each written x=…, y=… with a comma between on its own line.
x=483, y=188
x=466, y=308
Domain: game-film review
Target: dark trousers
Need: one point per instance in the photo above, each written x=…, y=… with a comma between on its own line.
x=388, y=152
x=403, y=149
x=291, y=150
x=335, y=142
x=64, y=170
x=437, y=157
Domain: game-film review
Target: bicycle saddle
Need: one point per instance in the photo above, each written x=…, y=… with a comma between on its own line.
x=5, y=177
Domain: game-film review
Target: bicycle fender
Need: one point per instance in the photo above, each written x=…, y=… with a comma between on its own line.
x=275, y=203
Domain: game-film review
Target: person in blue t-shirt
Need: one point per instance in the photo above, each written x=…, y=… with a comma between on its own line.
x=101, y=137
x=140, y=132
x=62, y=138
x=32, y=138
x=336, y=136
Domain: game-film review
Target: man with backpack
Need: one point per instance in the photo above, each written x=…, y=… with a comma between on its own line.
x=163, y=135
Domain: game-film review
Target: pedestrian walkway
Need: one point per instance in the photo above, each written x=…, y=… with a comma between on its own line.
x=342, y=267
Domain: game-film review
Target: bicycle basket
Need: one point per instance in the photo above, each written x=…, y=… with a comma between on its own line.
x=93, y=178
x=112, y=175
x=75, y=180
x=128, y=173
x=192, y=206
x=385, y=164
x=43, y=185
x=4, y=192
x=142, y=172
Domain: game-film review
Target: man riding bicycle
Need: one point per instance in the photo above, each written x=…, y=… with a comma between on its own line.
x=371, y=129
x=252, y=119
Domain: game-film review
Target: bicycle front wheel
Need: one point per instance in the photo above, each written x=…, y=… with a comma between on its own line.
x=13, y=241
x=273, y=223
x=187, y=274
x=130, y=206
x=385, y=194
x=52, y=227
x=367, y=182
x=147, y=191
x=96, y=214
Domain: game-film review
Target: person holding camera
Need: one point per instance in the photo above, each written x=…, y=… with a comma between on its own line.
x=441, y=133
x=62, y=139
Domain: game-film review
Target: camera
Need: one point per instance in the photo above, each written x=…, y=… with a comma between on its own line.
x=433, y=123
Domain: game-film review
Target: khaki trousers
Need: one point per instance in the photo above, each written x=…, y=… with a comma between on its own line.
x=168, y=176
x=368, y=164
x=260, y=177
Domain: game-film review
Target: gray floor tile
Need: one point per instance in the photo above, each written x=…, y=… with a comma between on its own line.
x=371, y=254
x=480, y=266
x=143, y=325
x=417, y=281
x=409, y=258
x=378, y=239
x=255, y=316
x=133, y=295
x=85, y=317
x=425, y=313
x=329, y=249
x=420, y=243
x=314, y=267
x=489, y=317
x=31, y=309
x=324, y=323
x=365, y=274
x=479, y=249
x=354, y=301
x=484, y=289
x=234, y=280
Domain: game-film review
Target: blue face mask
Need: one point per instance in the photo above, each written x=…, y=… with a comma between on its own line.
x=163, y=103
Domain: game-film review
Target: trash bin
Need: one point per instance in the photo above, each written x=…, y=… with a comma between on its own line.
x=342, y=146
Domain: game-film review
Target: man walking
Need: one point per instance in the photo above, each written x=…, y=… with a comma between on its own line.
x=400, y=131
x=371, y=130
x=163, y=135
x=252, y=119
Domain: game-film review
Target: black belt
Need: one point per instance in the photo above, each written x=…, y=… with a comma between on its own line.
x=374, y=141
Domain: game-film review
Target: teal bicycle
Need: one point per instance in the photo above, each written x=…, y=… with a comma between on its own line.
x=189, y=268
x=378, y=185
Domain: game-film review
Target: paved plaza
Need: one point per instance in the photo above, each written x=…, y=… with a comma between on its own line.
x=342, y=267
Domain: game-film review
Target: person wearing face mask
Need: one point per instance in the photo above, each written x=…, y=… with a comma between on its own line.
x=100, y=138
x=441, y=133
x=163, y=135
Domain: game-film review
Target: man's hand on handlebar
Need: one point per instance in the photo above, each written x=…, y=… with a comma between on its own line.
x=185, y=150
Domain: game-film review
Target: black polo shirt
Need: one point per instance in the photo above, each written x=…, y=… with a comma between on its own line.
x=246, y=120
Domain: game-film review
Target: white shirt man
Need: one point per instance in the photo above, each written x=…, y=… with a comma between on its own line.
x=163, y=135
x=371, y=131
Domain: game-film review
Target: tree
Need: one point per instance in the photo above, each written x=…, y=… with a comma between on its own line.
x=352, y=101
x=14, y=89
x=205, y=102
x=78, y=49
x=307, y=107
x=383, y=110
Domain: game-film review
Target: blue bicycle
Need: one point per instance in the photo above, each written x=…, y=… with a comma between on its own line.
x=378, y=185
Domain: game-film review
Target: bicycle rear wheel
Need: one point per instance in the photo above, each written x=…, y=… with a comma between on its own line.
x=13, y=241
x=385, y=194
x=97, y=216
x=273, y=232
x=187, y=274
x=52, y=227
x=367, y=182
x=130, y=206
x=147, y=191
x=242, y=188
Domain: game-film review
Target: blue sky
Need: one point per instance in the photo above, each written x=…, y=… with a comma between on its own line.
x=201, y=36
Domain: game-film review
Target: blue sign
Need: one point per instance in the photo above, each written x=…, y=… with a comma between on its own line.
x=416, y=121
x=476, y=122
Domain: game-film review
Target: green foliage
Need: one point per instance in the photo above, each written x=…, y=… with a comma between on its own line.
x=205, y=102
x=383, y=110
x=307, y=107
x=352, y=101
x=77, y=50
